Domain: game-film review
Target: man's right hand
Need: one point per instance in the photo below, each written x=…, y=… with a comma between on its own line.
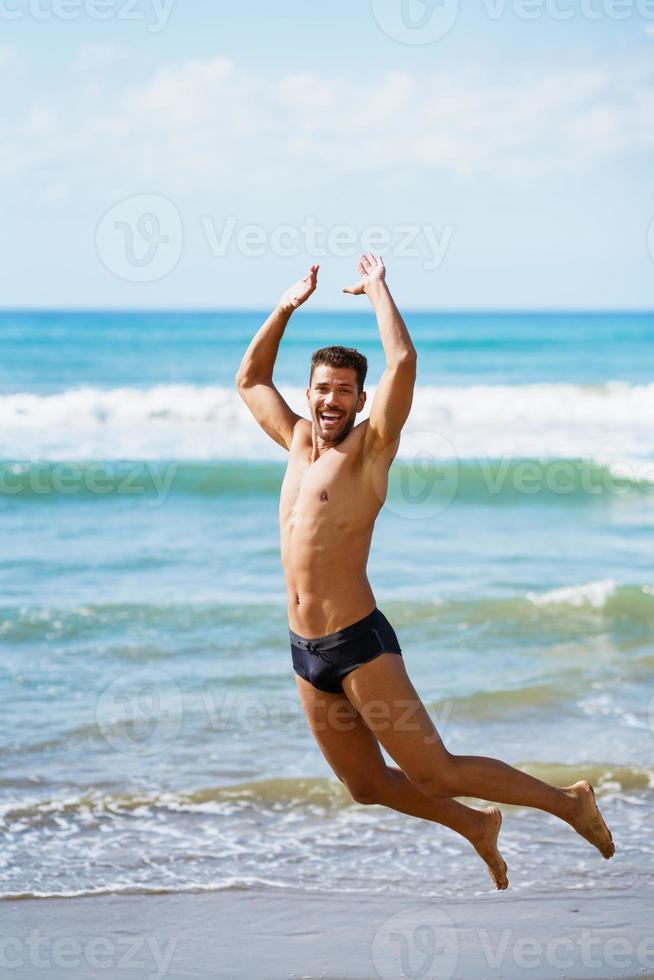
x=372, y=272
x=299, y=293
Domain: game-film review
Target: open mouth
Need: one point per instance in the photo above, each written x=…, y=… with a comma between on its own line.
x=330, y=419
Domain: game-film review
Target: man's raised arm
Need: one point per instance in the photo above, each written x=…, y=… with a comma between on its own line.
x=393, y=398
x=254, y=376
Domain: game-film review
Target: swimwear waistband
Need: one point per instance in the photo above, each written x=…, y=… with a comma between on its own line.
x=335, y=639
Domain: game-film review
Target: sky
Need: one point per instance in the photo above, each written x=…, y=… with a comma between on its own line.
x=204, y=153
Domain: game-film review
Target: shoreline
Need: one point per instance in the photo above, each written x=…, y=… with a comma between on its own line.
x=260, y=935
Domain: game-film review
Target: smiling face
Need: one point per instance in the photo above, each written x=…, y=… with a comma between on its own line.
x=334, y=401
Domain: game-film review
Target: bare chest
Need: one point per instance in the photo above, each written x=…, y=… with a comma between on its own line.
x=323, y=487
x=328, y=491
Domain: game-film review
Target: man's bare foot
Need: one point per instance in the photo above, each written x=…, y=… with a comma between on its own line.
x=486, y=846
x=589, y=821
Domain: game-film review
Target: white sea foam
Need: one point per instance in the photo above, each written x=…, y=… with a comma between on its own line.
x=595, y=594
x=609, y=423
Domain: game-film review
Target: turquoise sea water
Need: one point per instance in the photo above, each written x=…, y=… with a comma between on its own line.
x=151, y=735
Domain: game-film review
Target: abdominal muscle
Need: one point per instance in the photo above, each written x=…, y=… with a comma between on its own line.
x=328, y=587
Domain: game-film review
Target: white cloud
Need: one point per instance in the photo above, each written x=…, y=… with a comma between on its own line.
x=195, y=123
x=182, y=95
x=40, y=121
x=307, y=93
x=91, y=57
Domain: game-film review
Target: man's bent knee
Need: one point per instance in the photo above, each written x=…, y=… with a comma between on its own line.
x=367, y=797
x=368, y=793
x=440, y=783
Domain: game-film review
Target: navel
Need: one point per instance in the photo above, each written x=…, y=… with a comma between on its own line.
x=324, y=496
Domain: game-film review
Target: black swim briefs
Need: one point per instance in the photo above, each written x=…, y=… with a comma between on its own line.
x=325, y=660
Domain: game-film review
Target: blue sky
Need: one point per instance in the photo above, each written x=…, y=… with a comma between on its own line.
x=183, y=153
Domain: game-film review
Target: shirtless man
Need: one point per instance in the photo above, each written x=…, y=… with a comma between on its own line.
x=348, y=665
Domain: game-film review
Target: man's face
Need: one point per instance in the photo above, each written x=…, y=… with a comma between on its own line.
x=334, y=401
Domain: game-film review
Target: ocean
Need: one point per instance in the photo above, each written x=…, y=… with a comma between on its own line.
x=152, y=739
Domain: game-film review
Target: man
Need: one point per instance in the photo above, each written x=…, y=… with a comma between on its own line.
x=348, y=665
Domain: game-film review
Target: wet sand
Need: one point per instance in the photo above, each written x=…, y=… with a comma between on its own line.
x=267, y=935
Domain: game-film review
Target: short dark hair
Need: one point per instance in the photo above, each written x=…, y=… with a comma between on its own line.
x=341, y=357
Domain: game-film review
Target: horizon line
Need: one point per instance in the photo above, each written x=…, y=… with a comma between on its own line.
x=265, y=311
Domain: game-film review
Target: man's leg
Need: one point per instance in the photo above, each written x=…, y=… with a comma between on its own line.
x=354, y=754
x=383, y=694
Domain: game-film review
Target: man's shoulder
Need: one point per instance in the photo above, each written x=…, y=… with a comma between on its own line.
x=373, y=449
x=302, y=428
x=300, y=435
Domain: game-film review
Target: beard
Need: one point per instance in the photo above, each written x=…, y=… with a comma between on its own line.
x=334, y=433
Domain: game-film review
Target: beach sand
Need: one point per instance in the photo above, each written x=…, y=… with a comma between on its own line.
x=265, y=935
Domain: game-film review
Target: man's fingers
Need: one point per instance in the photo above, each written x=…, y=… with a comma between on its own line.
x=311, y=279
x=375, y=261
x=364, y=263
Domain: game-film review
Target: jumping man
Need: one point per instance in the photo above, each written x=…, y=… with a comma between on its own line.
x=348, y=665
